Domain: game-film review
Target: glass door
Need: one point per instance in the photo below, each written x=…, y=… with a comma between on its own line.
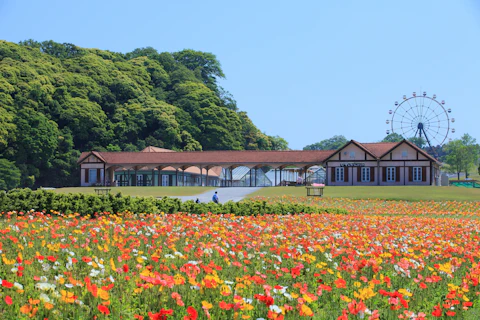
x=164, y=180
x=139, y=179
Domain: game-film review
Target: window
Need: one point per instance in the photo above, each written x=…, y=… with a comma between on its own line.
x=365, y=174
x=404, y=154
x=417, y=173
x=352, y=154
x=339, y=174
x=391, y=174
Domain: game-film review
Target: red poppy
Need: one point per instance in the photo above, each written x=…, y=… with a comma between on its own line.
x=162, y=315
x=192, y=314
x=355, y=307
x=8, y=300
x=225, y=306
x=437, y=311
x=340, y=283
x=103, y=309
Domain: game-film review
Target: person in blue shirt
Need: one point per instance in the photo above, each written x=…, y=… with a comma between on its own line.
x=215, y=197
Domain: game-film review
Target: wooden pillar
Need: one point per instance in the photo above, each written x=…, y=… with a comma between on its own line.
x=280, y=175
x=431, y=173
x=135, y=178
x=255, y=176
x=231, y=177
x=275, y=177
x=305, y=180
x=326, y=174
x=250, y=177
x=225, y=177
x=176, y=177
x=206, y=179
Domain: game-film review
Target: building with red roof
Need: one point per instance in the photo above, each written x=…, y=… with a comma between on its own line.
x=355, y=163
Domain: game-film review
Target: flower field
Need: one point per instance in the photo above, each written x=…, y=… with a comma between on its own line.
x=399, y=265
x=387, y=207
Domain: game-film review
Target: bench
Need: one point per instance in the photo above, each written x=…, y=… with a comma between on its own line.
x=102, y=191
x=314, y=191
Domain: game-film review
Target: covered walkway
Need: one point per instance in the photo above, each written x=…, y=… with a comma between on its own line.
x=100, y=167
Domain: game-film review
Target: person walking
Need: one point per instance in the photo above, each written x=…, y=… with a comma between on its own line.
x=197, y=201
x=215, y=197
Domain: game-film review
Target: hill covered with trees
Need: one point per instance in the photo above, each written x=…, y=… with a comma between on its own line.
x=57, y=100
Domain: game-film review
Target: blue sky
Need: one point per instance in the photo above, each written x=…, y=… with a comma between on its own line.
x=304, y=70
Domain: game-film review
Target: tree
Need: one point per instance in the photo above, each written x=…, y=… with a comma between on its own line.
x=227, y=99
x=9, y=175
x=473, y=152
x=142, y=52
x=457, y=157
x=418, y=141
x=278, y=143
x=333, y=143
x=205, y=64
x=393, y=137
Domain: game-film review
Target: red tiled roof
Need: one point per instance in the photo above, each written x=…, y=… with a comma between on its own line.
x=414, y=146
x=378, y=148
x=213, y=157
x=156, y=149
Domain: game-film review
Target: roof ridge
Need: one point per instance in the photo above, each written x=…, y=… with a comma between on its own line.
x=215, y=151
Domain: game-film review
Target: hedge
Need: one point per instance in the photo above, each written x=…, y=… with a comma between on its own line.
x=23, y=200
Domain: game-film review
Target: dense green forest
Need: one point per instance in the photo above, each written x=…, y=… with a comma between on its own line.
x=57, y=100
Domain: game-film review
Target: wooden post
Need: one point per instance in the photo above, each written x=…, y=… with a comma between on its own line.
x=135, y=178
x=231, y=177
x=305, y=180
x=280, y=175
x=255, y=176
x=275, y=177
x=176, y=177
x=206, y=179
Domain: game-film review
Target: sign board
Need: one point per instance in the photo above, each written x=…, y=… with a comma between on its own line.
x=352, y=164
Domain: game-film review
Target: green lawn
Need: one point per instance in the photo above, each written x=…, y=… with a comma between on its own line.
x=412, y=193
x=143, y=191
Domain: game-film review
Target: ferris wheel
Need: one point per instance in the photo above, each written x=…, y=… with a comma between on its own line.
x=421, y=117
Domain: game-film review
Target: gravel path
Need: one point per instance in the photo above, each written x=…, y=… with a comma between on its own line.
x=224, y=194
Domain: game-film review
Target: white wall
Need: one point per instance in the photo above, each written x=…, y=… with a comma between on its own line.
x=90, y=166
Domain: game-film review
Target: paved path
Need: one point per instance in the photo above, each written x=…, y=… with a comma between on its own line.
x=224, y=194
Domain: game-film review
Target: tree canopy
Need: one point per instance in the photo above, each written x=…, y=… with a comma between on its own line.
x=393, y=137
x=462, y=155
x=57, y=100
x=332, y=143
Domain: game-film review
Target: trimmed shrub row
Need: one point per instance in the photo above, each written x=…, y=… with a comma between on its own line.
x=23, y=200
